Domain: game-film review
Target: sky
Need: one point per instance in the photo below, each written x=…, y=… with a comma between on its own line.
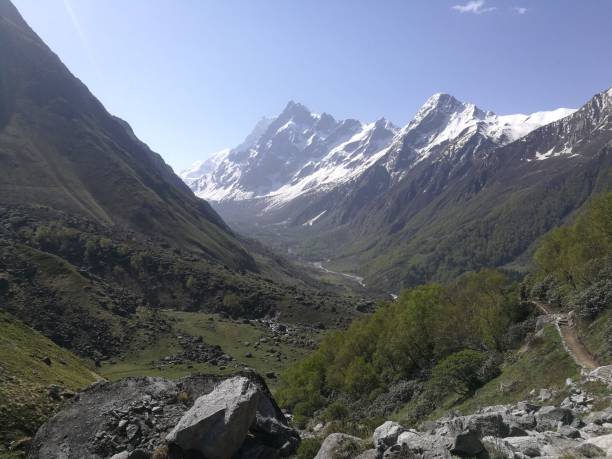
x=194, y=76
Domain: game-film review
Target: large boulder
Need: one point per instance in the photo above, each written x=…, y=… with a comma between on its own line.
x=386, y=435
x=217, y=423
x=551, y=417
x=423, y=445
x=603, y=442
x=341, y=446
x=137, y=414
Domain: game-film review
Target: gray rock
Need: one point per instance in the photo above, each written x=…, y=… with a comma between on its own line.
x=396, y=452
x=132, y=431
x=340, y=446
x=603, y=442
x=369, y=454
x=569, y=432
x=602, y=374
x=250, y=449
x=529, y=446
x=590, y=450
x=217, y=423
x=545, y=395
x=423, y=445
x=467, y=443
x=386, y=435
x=121, y=455
x=527, y=407
x=103, y=412
x=550, y=417
x=270, y=428
x=599, y=417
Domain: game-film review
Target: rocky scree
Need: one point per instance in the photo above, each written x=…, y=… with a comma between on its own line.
x=199, y=417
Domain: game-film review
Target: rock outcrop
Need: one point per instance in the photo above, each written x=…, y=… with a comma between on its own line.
x=517, y=431
x=199, y=417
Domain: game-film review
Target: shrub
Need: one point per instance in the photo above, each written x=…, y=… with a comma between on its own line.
x=309, y=447
x=335, y=412
x=461, y=372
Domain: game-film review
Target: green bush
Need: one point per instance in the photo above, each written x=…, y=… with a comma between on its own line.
x=335, y=412
x=403, y=340
x=309, y=447
x=460, y=372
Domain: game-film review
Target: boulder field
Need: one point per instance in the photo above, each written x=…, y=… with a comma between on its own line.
x=198, y=417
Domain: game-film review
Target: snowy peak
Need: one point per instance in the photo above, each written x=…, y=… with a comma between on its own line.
x=440, y=104
x=300, y=152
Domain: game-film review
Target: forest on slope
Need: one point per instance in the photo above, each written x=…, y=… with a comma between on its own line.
x=438, y=339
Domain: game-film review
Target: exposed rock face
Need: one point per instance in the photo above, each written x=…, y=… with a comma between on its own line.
x=218, y=422
x=341, y=446
x=201, y=416
x=386, y=435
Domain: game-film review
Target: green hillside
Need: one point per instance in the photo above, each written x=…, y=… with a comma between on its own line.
x=30, y=366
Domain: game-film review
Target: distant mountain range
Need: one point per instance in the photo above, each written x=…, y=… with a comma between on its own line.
x=371, y=198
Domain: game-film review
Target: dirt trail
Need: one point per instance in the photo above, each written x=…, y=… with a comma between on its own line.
x=569, y=336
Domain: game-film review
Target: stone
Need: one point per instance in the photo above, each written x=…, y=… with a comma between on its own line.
x=121, y=455
x=339, y=445
x=368, y=454
x=529, y=446
x=599, y=417
x=604, y=442
x=132, y=431
x=497, y=448
x=549, y=417
x=425, y=445
x=250, y=449
x=602, y=374
x=386, y=435
x=466, y=443
x=590, y=450
x=217, y=423
x=545, y=395
x=290, y=446
x=55, y=392
x=569, y=432
x=270, y=427
x=46, y=360
x=594, y=430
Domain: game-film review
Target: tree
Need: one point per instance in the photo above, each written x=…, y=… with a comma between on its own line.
x=460, y=372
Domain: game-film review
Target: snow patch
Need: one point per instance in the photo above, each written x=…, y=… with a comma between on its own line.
x=312, y=220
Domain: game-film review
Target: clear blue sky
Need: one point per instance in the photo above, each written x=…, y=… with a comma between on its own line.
x=193, y=76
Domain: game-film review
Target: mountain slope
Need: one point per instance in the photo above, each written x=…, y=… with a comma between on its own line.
x=65, y=151
x=31, y=364
x=428, y=201
x=97, y=232
x=485, y=208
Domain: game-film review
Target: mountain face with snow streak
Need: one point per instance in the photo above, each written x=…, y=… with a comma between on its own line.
x=300, y=153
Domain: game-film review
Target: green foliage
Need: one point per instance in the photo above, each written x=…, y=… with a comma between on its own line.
x=232, y=304
x=574, y=263
x=460, y=372
x=25, y=378
x=309, y=447
x=335, y=411
x=406, y=337
x=572, y=254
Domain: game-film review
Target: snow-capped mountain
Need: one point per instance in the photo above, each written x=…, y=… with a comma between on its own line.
x=456, y=188
x=289, y=155
x=300, y=153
